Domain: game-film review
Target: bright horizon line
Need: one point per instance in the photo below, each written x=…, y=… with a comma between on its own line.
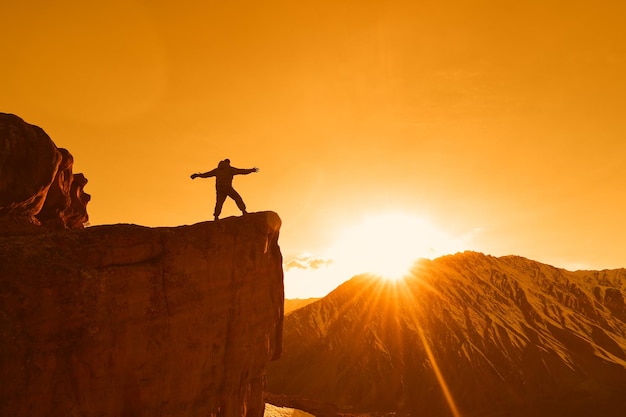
x=317, y=272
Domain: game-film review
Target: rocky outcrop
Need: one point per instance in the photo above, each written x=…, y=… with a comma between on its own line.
x=37, y=186
x=469, y=335
x=123, y=320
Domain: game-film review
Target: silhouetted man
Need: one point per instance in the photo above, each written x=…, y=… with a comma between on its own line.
x=224, y=174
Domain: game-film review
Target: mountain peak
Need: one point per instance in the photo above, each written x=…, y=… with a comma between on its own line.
x=464, y=332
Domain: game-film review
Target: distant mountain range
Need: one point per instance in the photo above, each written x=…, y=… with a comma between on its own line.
x=464, y=335
x=292, y=304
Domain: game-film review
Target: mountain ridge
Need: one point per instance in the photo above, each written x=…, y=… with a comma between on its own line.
x=292, y=304
x=504, y=335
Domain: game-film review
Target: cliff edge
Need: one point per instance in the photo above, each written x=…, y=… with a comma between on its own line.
x=124, y=320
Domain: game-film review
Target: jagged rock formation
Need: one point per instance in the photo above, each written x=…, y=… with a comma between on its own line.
x=123, y=320
x=37, y=186
x=469, y=335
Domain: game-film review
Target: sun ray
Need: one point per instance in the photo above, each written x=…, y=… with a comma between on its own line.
x=438, y=374
x=429, y=352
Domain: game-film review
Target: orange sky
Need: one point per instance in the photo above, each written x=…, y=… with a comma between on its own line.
x=498, y=120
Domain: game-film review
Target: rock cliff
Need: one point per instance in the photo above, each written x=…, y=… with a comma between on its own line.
x=124, y=320
x=37, y=185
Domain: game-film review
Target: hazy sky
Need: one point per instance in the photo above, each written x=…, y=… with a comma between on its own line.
x=499, y=124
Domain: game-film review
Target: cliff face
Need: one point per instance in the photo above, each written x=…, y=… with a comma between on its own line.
x=123, y=320
x=469, y=335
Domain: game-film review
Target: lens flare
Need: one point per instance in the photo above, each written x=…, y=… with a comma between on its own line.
x=387, y=245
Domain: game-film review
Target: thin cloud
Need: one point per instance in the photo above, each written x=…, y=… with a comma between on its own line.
x=307, y=262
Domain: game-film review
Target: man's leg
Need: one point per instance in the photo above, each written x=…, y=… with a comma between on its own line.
x=219, y=202
x=238, y=200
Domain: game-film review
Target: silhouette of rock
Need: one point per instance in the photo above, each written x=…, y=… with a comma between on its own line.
x=124, y=320
x=37, y=186
x=474, y=333
x=75, y=215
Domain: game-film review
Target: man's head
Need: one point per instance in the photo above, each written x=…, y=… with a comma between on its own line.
x=223, y=164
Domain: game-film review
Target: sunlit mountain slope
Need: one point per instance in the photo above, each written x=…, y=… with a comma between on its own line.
x=292, y=304
x=465, y=335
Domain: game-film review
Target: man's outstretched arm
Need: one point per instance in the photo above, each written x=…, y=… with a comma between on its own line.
x=241, y=171
x=211, y=173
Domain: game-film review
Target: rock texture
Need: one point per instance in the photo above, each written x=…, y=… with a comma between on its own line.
x=465, y=335
x=37, y=186
x=123, y=320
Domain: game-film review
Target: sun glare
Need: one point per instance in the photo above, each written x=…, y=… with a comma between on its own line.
x=388, y=245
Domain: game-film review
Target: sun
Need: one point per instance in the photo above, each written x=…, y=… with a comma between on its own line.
x=388, y=244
